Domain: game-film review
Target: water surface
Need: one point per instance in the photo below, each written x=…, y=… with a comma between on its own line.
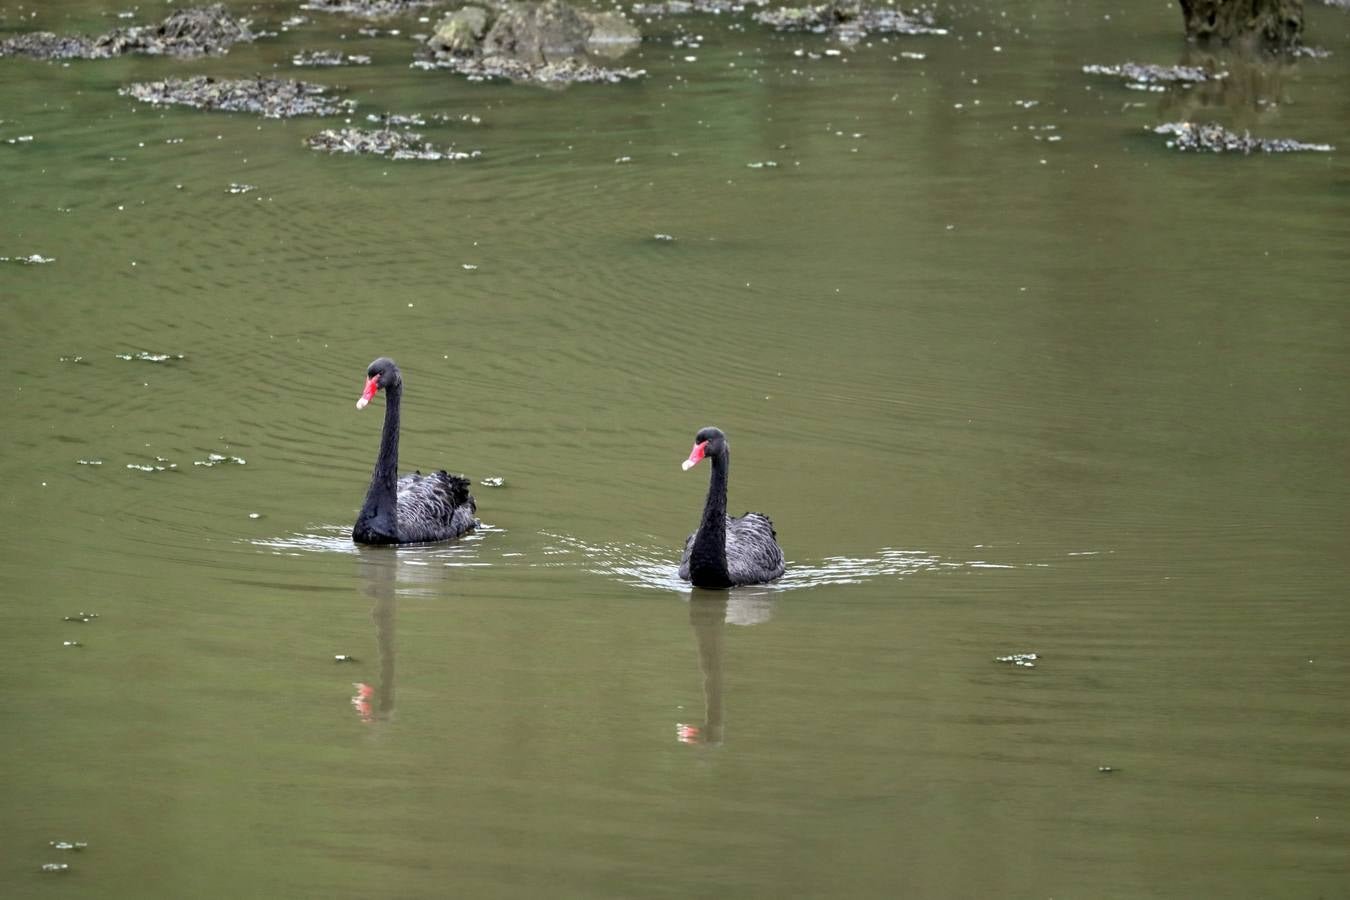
x=1001, y=394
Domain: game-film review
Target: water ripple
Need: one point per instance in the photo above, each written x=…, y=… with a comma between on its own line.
x=656, y=567
x=637, y=564
x=464, y=552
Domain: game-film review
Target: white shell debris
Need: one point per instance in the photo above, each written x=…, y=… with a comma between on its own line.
x=145, y=356
x=68, y=845
x=216, y=459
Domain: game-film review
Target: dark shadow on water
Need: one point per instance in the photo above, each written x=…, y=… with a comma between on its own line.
x=1250, y=96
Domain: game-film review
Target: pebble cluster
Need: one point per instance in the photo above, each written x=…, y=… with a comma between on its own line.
x=1214, y=138
x=272, y=98
x=1151, y=74
x=684, y=7
x=849, y=21
x=329, y=58
x=187, y=32
x=565, y=71
x=385, y=142
x=370, y=9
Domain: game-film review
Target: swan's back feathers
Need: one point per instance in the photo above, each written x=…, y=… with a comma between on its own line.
x=434, y=507
x=753, y=554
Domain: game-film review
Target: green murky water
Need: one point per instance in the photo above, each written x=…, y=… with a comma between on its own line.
x=1008, y=375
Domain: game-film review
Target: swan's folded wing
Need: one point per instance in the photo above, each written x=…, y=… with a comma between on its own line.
x=434, y=507
x=753, y=554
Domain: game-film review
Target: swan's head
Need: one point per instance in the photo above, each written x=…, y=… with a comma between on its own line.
x=382, y=373
x=708, y=442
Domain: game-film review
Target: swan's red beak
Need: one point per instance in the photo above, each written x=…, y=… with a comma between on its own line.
x=372, y=385
x=694, y=456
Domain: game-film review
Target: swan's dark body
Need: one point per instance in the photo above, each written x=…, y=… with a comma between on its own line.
x=726, y=551
x=415, y=508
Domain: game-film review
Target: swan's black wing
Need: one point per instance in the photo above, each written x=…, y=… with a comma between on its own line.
x=434, y=507
x=753, y=554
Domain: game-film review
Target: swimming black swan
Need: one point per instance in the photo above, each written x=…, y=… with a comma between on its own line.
x=726, y=551
x=414, y=508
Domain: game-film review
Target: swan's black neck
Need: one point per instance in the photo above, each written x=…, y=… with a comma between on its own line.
x=708, y=556
x=378, y=521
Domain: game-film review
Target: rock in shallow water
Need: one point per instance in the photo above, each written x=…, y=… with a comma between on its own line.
x=328, y=58
x=683, y=7
x=273, y=98
x=1214, y=138
x=567, y=71
x=370, y=9
x=384, y=142
x=461, y=32
x=187, y=32
x=849, y=21
x=1151, y=74
x=548, y=43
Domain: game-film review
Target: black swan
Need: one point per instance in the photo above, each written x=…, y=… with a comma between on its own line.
x=724, y=552
x=414, y=508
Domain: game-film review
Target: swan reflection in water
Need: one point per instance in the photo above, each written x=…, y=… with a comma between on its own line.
x=709, y=614
x=387, y=572
x=379, y=569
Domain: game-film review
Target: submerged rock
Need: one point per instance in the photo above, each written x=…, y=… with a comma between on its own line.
x=1151, y=74
x=370, y=9
x=385, y=142
x=207, y=29
x=187, y=32
x=849, y=21
x=549, y=42
x=1214, y=138
x=273, y=98
x=707, y=7
x=328, y=58
x=46, y=45
x=398, y=120
x=568, y=71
